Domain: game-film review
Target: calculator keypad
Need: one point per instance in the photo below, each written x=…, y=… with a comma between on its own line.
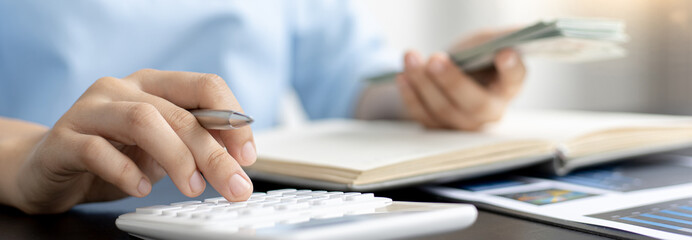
x=284, y=206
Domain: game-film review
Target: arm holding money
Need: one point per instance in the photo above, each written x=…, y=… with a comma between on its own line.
x=438, y=94
x=474, y=84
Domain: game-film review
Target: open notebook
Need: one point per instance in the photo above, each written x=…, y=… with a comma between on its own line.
x=371, y=155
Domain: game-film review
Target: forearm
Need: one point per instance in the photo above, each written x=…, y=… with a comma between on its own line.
x=17, y=138
x=380, y=101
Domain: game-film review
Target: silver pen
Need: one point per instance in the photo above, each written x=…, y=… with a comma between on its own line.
x=221, y=119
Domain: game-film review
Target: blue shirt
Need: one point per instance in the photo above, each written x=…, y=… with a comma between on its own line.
x=52, y=51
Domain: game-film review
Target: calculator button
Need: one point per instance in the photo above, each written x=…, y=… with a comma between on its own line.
x=219, y=209
x=255, y=204
x=297, y=198
x=205, y=206
x=359, y=197
x=262, y=210
x=271, y=204
x=258, y=194
x=275, y=198
x=216, y=215
x=254, y=200
x=233, y=207
x=289, y=200
x=237, y=204
x=173, y=212
x=214, y=200
x=316, y=193
x=297, y=192
x=280, y=191
x=258, y=197
x=186, y=203
x=328, y=201
x=188, y=213
x=263, y=203
x=156, y=210
x=291, y=206
x=334, y=194
x=308, y=200
x=256, y=211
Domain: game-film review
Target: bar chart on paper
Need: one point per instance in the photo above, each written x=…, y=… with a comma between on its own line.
x=672, y=216
x=630, y=177
x=651, y=197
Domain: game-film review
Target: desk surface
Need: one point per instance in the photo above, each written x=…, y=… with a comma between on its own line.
x=97, y=220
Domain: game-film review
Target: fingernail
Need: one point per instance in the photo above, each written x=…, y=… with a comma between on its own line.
x=239, y=186
x=510, y=61
x=196, y=182
x=144, y=187
x=412, y=60
x=436, y=66
x=249, y=153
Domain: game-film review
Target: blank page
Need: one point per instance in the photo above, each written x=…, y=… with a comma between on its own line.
x=363, y=145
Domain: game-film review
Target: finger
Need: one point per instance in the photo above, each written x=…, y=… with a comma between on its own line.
x=102, y=159
x=217, y=165
x=430, y=95
x=141, y=124
x=198, y=90
x=414, y=75
x=420, y=114
x=413, y=105
x=217, y=136
x=145, y=162
x=463, y=90
x=454, y=119
x=472, y=99
x=511, y=73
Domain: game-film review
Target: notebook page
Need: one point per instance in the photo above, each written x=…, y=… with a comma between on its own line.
x=561, y=126
x=364, y=145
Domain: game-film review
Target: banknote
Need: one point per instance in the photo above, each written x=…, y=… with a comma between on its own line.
x=564, y=39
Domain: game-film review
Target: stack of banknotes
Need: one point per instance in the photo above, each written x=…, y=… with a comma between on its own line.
x=569, y=39
x=564, y=39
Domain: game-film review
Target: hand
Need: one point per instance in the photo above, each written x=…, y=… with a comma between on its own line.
x=124, y=134
x=438, y=94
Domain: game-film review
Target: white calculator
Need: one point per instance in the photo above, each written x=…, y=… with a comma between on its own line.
x=296, y=214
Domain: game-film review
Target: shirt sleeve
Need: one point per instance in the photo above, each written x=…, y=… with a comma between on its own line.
x=335, y=47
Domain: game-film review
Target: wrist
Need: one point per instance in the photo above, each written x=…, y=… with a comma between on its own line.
x=380, y=101
x=14, y=153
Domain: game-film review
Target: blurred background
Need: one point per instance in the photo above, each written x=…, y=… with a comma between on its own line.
x=655, y=77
